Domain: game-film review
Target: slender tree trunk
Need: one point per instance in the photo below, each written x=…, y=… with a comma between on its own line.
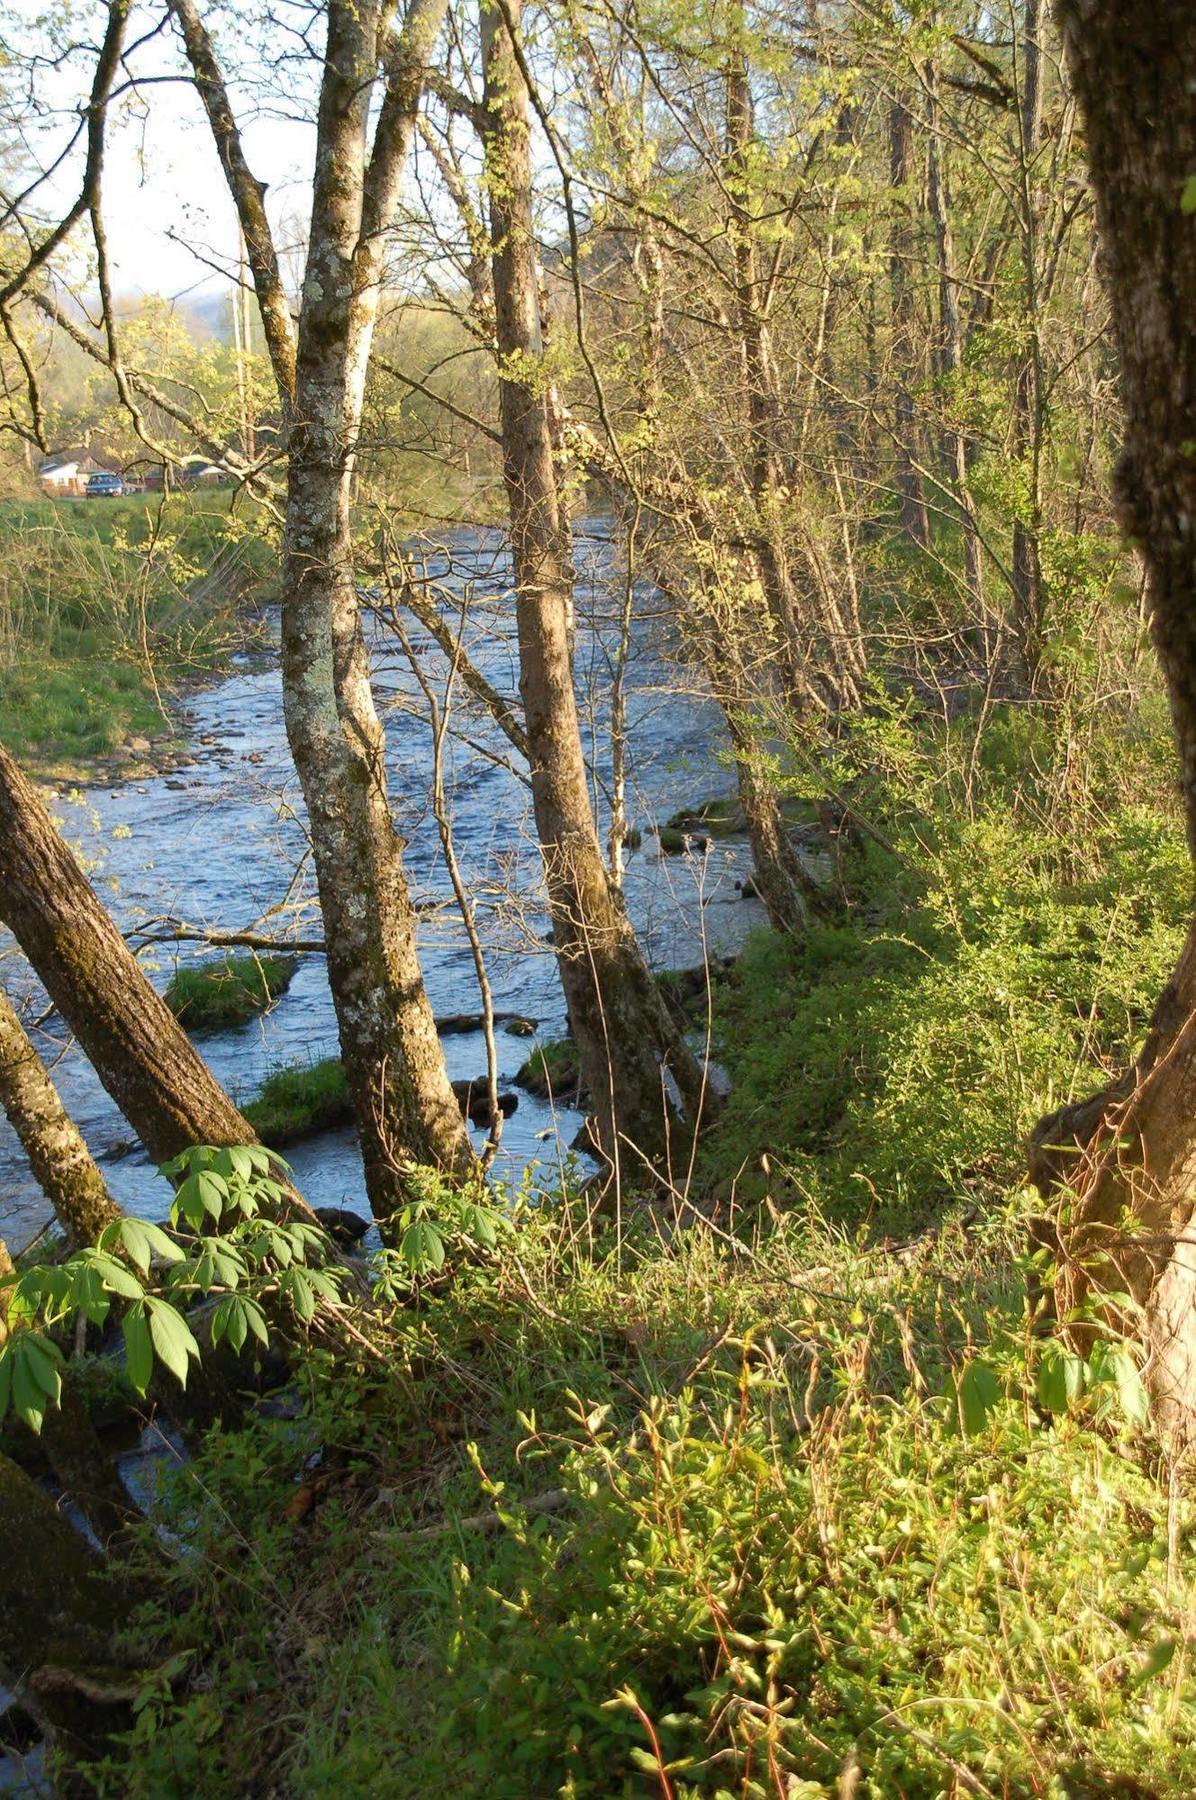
x=50, y=1139
x=781, y=881
x=911, y=498
x=950, y=358
x=405, y=1110
x=628, y=1045
x=133, y=1041
x=1029, y=409
x=1129, y=1155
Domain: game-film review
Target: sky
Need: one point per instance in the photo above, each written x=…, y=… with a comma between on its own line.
x=168, y=214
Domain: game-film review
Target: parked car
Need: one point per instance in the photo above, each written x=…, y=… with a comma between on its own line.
x=104, y=485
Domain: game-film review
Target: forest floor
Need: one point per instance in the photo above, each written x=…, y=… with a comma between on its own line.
x=773, y=1489
x=109, y=610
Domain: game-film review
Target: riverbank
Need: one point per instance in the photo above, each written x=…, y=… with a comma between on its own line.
x=111, y=611
x=777, y=1494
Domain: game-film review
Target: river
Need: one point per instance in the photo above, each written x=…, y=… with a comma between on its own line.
x=219, y=843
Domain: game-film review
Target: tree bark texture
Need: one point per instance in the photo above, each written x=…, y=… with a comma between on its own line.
x=50, y=1139
x=133, y=1041
x=404, y=1105
x=1130, y=1154
x=632, y=1053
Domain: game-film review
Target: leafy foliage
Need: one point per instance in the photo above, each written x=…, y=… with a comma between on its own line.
x=227, y=1248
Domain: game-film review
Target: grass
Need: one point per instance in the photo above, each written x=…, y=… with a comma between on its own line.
x=105, y=607
x=770, y=1555
x=551, y=1070
x=215, y=996
x=777, y=1501
x=299, y=1101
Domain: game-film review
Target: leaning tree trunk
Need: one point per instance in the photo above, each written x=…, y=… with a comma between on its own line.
x=631, y=1051
x=133, y=1041
x=1129, y=1155
x=49, y=1137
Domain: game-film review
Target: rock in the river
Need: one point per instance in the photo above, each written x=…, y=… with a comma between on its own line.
x=473, y=1097
x=720, y=816
x=140, y=746
x=343, y=1226
x=456, y=1024
x=675, y=842
x=552, y=1072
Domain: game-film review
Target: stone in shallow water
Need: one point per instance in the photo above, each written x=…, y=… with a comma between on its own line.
x=343, y=1226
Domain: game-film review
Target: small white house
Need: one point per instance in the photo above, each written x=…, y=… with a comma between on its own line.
x=67, y=473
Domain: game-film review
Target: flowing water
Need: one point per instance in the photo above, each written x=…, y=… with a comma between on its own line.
x=219, y=843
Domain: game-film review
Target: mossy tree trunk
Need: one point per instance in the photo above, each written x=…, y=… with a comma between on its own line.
x=632, y=1052
x=136, y=1046
x=1129, y=1155
x=401, y=1096
x=50, y=1139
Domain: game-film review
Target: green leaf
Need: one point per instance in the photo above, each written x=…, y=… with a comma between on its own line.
x=257, y=1322
x=1062, y=1376
x=36, y=1376
x=299, y=1294
x=115, y=1277
x=188, y=1203
x=135, y=1243
x=977, y=1392
x=5, y=1376
x=139, y=1350
x=172, y=1337
x=163, y=1247
x=1187, y=197
x=229, y=1321
x=422, y=1246
x=1131, y=1390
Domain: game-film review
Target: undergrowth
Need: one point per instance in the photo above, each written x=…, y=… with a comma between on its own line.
x=780, y=1491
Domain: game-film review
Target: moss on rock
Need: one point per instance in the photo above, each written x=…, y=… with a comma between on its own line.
x=215, y=996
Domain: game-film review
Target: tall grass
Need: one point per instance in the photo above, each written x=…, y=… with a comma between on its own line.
x=105, y=606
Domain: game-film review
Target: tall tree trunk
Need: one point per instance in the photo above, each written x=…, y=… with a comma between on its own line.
x=911, y=498
x=401, y=1096
x=1129, y=1155
x=949, y=359
x=629, y=1046
x=405, y=1110
x=133, y=1041
x=1029, y=408
x=50, y=1139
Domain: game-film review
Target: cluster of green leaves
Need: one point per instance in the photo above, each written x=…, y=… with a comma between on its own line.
x=437, y=1217
x=226, y=1245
